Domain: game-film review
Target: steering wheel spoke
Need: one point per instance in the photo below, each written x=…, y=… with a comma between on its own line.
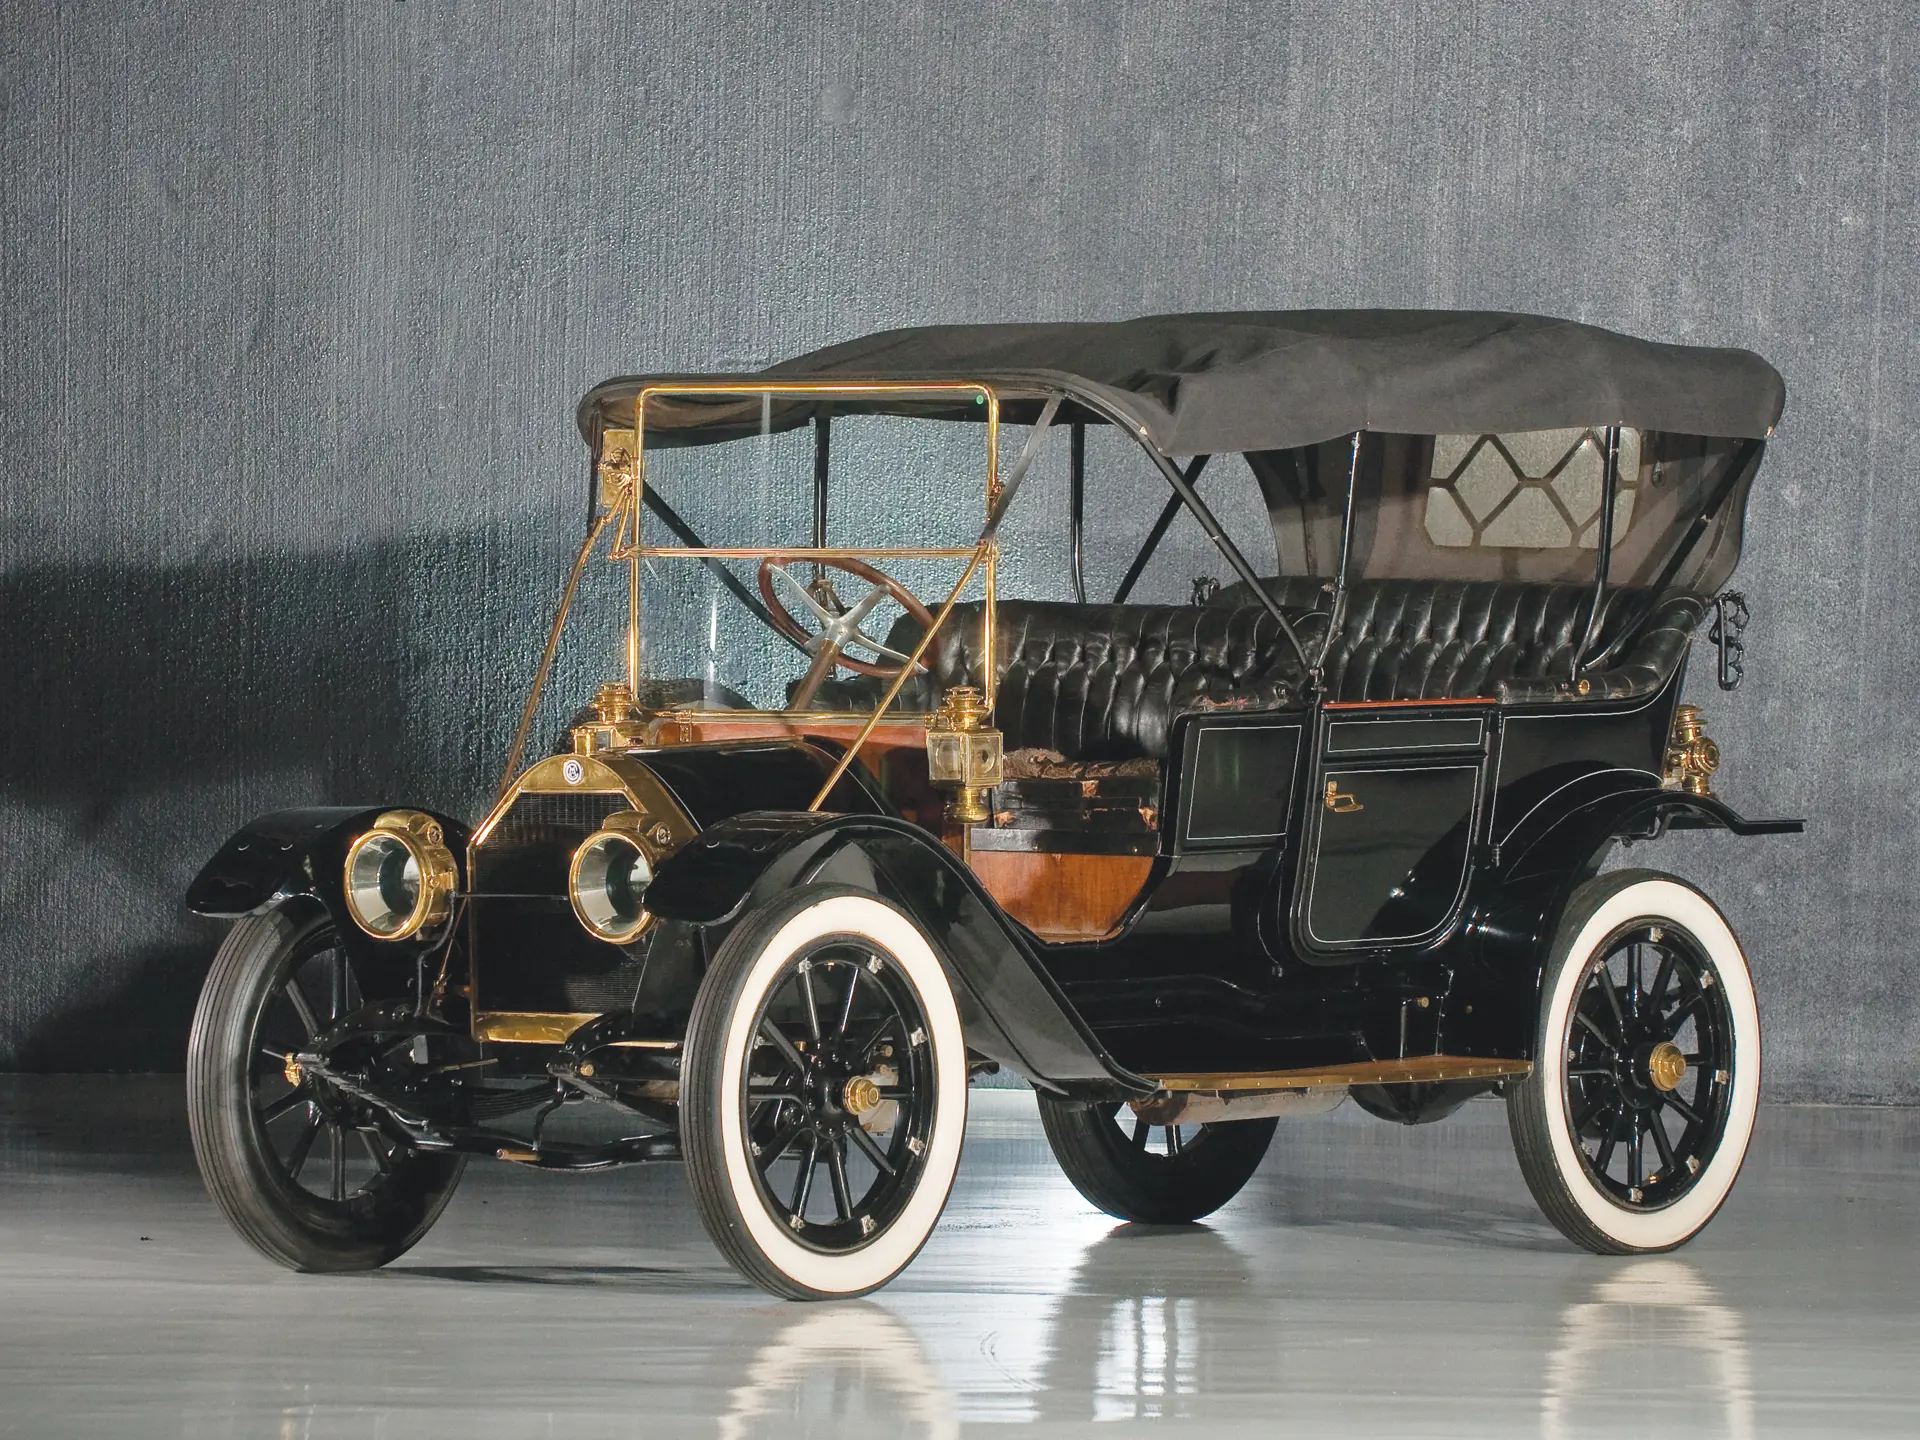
x=825, y=635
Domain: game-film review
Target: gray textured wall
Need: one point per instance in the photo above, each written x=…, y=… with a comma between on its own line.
x=297, y=300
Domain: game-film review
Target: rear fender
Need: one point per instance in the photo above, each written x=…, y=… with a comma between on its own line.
x=1496, y=1001
x=1012, y=1010
x=304, y=852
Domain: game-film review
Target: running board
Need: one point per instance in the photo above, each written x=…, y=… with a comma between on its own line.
x=1414, y=1070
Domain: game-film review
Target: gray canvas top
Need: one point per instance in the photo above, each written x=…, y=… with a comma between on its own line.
x=1232, y=382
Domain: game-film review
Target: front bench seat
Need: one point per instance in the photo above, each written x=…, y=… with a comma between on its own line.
x=1098, y=682
x=1105, y=682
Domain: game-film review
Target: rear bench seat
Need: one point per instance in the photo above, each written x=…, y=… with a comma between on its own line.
x=1104, y=682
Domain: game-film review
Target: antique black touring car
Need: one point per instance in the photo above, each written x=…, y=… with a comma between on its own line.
x=881, y=799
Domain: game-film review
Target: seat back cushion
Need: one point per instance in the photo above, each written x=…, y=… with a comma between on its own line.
x=1104, y=682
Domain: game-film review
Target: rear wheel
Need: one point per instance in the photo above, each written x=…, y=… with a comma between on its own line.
x=306, y=1175
x=1154, y=1174
x=1633, y=1125
x=823, y=1094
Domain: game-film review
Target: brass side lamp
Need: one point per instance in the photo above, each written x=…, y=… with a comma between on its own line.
x=963, y=752
x=1692, y=756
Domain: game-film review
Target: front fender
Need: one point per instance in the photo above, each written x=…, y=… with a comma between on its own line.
x=298, y=852
x=1012, y=1010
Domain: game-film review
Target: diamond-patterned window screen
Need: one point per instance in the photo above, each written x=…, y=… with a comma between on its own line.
x=1531, y=490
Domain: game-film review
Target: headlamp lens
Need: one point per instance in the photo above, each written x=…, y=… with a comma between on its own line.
x=610, y=874
x=383, y=883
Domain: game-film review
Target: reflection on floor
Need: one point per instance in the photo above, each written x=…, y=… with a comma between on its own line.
x=1372, y=1281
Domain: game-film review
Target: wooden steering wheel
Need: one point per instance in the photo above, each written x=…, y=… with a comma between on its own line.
x=837, y=626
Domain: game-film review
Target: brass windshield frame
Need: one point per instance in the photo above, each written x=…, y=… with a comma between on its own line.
x=983, y=556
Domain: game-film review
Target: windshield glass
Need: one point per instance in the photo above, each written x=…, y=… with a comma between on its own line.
x=827, y=522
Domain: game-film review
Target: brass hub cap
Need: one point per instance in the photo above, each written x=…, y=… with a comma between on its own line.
x=1666, y=1066
x=859, y=1095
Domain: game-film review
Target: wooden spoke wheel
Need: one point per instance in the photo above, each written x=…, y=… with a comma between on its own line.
x=1633, y=1125
x=306, y=1174
x=824, y=1094
x=1153, y=1174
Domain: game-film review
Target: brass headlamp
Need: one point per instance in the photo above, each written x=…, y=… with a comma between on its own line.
x=610, y=873
x=400, y=876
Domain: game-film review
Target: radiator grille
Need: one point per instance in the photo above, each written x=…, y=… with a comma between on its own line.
x=529, y=950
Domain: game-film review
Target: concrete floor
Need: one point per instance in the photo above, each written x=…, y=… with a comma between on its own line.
x=1371, y=1281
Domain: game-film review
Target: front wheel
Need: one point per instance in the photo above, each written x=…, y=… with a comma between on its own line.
x=1152, y=1174
x=306, y=1174
x=823, y=1094
x=1633, y=1124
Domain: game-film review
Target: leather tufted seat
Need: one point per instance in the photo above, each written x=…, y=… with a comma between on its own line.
x=1104, y=682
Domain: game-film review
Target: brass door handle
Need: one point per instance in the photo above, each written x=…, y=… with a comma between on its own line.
x=1341, y=804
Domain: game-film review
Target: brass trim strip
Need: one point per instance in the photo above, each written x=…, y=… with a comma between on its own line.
x=1412, y=1070
x=837, y=552
x=794, y=719
x=812, y=387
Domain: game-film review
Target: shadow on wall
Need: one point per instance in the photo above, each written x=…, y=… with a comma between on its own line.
x=156, y=709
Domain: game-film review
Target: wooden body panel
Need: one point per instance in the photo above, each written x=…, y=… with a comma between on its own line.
x=1063, y=897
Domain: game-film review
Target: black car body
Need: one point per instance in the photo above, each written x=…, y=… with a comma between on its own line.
x=1334, y=827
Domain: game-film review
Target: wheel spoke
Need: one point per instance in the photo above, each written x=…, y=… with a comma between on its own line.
x=1687, y=1112
x=301, y=1007
x=1604, y=977
x=837, y=1172
x=813, y=1013
x=267, y=1114
x=1661, y=978
x=1593, y=1028
x=381, y=1160
x=879, y=1033
x=803, y=1182
x=782, y=1141
x=303, y=1147
x=783, y=1045
x=1687, y=1007
x=1607, y=1141
x=337, y=984
x=871, y=1149
x=1173, y=1139
x=1658, y=1128
x=1140, y=1131
x=1636, y=1161
x=337, y=1156
x=1633, y=980
x=767, y=1089
x=846, y=1010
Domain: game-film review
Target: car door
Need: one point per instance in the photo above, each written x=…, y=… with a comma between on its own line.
x=1394, y=804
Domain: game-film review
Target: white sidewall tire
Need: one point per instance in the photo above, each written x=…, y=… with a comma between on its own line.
x=877, y=1262
x=1652, y=1230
